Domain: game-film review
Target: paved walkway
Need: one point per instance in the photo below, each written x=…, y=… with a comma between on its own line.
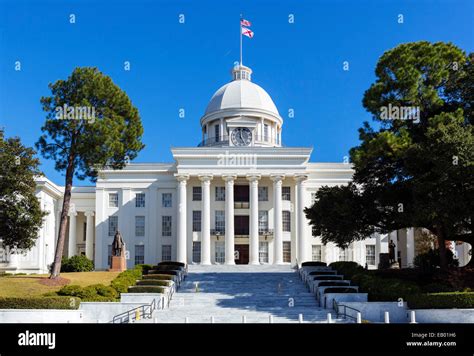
x=227, y=293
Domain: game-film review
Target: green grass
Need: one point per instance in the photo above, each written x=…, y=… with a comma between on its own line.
x=30, y=286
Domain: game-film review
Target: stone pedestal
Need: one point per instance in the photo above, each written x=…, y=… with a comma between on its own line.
x=118, y=264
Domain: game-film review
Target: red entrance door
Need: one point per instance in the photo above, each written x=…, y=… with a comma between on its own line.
x=241, y=254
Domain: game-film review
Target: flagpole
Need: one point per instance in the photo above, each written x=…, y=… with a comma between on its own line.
x=240, y=24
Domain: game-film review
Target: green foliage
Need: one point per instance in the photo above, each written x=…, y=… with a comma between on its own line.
x=126, y=279
x=431, y=260
x=313, y=263
x=154, y=282
x=92, y=293
x=40, y=303
x=340, y=290
x=159, y=276
x=384, y=289
x=347, y=269
x=146, y=289
x=20, y=211
x=441, y=300
x=79, y=263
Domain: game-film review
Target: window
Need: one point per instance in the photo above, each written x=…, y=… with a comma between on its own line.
x=166, y=200
x=166, y=226
x=263, y=251
x=139, y=254
x=109, y=255
x=196, y=251
x=84, y=231
x=262, y=193
x=220, y=251
x=286, y=251
x=113, y=200
x=286, y=193
x=140, y=200
x=286, y=220
x=220, y=221
x=197, y=193
x=196, y=220
x=220, y=193
x=217, y=133
x=262, y=221
x=166, y=253
x=370, y=254
x=316, y=253
x=139, y=226
x=265, y=132
x=342, y=254
x=113, y=225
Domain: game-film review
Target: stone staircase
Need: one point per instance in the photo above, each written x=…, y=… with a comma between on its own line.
x=226, y=294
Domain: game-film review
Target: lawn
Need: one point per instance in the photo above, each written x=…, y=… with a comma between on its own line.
x=31, y=286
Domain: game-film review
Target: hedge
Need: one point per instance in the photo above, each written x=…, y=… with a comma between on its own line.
x=384, y=289
x=127, y=278
x=321, y=273
x=348, y=269
x=441, y=300
x=339, y=290
x=146, y=289
x=159, y=271
x=92, y=293
x=327, y=278
x=313, y=264
x=79, y=263
x=40, y=303
x=167, y=268
x=326, y=284
x=165, y=277
x=154, y=282
x=172, y=263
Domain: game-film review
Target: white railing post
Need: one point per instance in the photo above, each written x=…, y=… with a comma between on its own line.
x=155, y=320
x=186, y=320
x=329, y=320
x=212, y=320
x=300, y=318
x=244, y=319
x=359, y=318
x=386, y=317
x=412, y=317
x=270, y=319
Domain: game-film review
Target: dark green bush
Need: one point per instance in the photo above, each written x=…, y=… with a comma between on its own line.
x=324, y=284
x=154, y=282
x=40, y=303
x=78, y=263
x=92, y=293
x=348, y=269
x=326, y=278
x=146, y=289
x=313, y=264
x=384, y=289
x=165, y=268
x=144, y=268
x=170, y=272
x=431, y=260
x=437, y=288
x=126, y=279
x=172, y=263
x=321, y=273
x=159, y=276
x=339, y=290
x=441, y=300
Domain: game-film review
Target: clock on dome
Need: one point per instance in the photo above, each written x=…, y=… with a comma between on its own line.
x=241, y=136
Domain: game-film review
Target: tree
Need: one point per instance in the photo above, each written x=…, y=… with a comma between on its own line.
x=20, y=211
x=91, y=123
x=416, y=169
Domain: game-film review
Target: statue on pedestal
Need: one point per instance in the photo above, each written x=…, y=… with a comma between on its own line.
x=117, y=245
x=118, y=263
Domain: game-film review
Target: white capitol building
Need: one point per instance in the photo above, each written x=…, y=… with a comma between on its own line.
x=236, y=198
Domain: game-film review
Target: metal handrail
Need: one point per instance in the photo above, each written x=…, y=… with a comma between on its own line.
x=224, y=139
x=336, y=307
x=145, y=311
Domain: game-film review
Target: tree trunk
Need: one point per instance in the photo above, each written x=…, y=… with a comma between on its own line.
x=63, y=222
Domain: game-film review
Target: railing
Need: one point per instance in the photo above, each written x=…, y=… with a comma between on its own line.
x=144, y=311
x=224, y=141
x=344, y=314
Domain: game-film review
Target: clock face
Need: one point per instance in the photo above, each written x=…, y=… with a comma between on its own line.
x=241, y=136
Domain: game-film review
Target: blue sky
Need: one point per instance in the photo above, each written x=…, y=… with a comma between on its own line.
x=176, y=65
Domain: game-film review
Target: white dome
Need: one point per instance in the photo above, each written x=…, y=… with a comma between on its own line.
x=241, y=94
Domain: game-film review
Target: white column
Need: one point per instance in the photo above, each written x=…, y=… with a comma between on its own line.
x=303, y=245
x=89, y=235
x=277, y=219
x=72, y=234
x=393, y=236
x=181, y=241
x=206, y=220
x=377, y=249
x=410, y=246
x=254, y=245
x=229, y=219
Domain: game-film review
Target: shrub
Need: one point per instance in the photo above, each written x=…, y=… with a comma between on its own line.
x=339, y=290
x=166, y=268
x=437, y=288
x=126, y=279
x=170, y=272
x=321, y=273
x=78, y=263
x=163, y=277
x=384, y=289
x=313, y=264
x=348, y=269
x=146, y=289
x=441, y=300
x=92, y=293
x=172, y=263
x=430, y=260
x=325, y=284
x=326, y=278
x=144, y=268
x=154, y=282
x=40, y=303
